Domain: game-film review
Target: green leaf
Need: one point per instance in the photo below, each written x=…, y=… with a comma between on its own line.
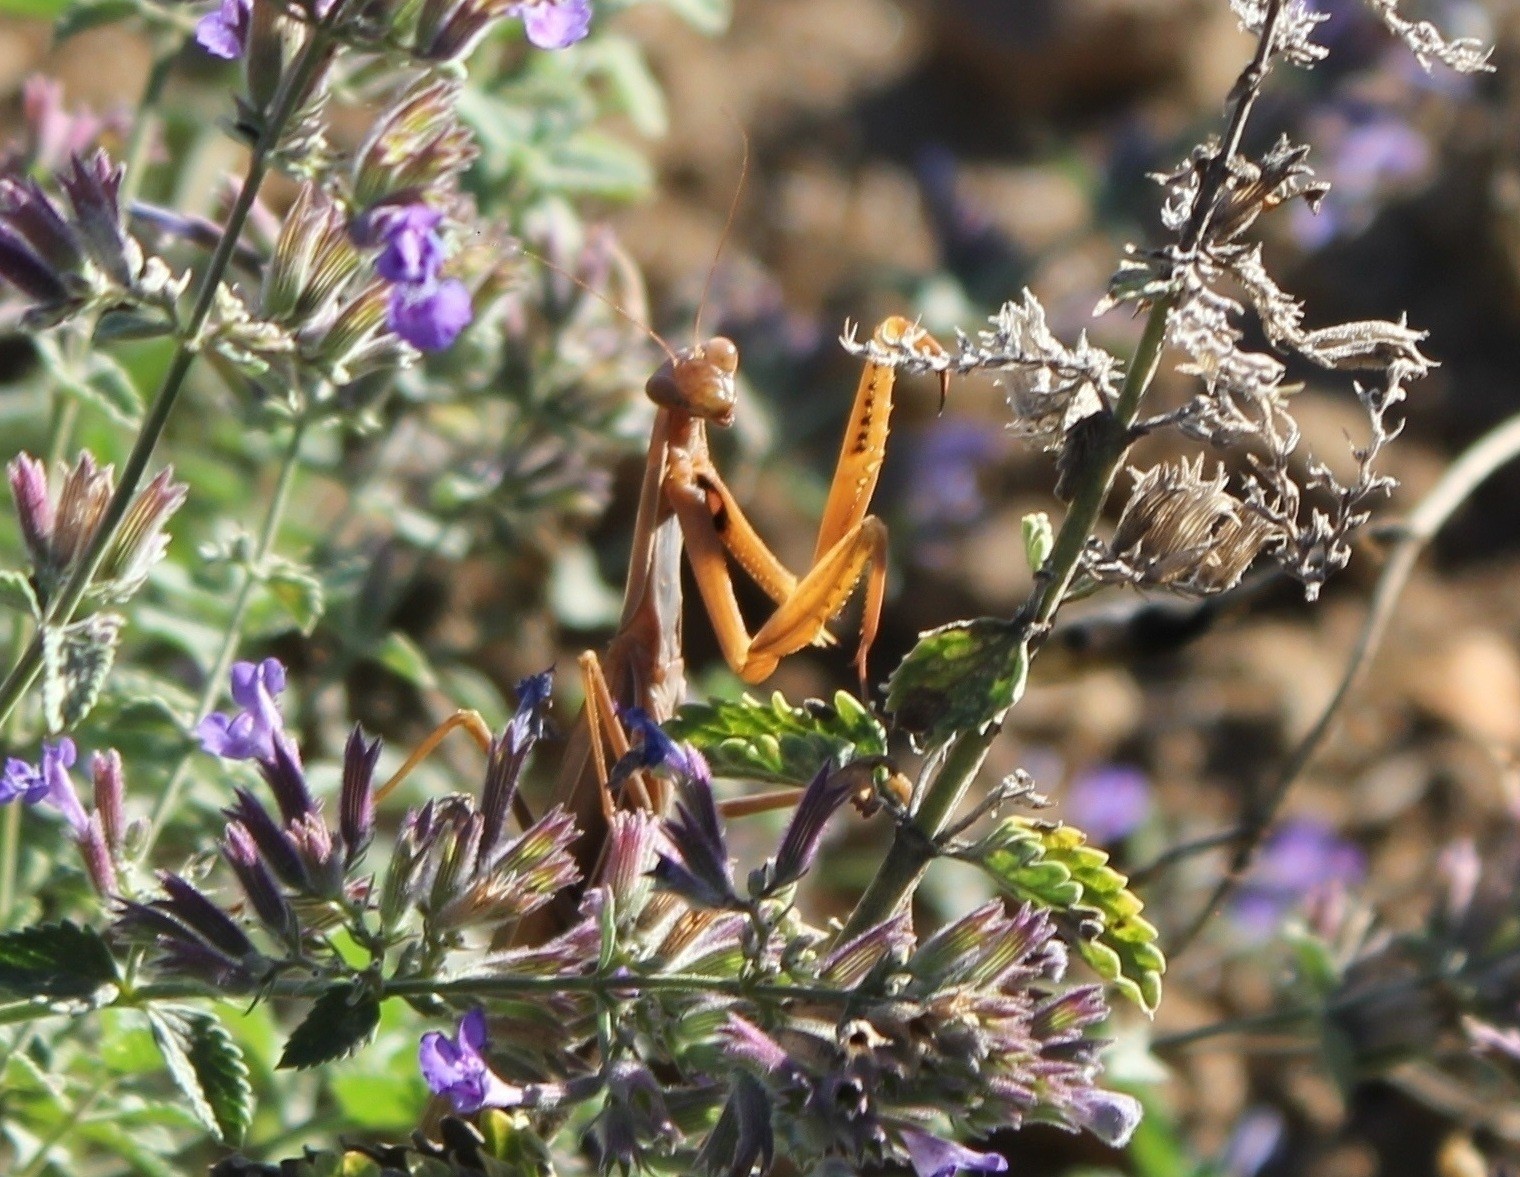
x=590, y=163
x=35, y=9
x=1052, y=866
x=706, y=16
x=75, y=663
x=55, y=960
x=340, y=1022
x=207, y=1065
x=1039, y=539
x=16, y=593
x=958, y=678
x=777, y=742
x=404, y=658
x=298, y=591
x=631, y=85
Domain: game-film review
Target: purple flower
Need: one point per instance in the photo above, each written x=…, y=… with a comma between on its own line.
x=430, y=315
x=249, y=735
x=1301, y=856
x=456, y=1068
x=554, y=24
x=47, y=781
x=1108, y=804
x=224, y=33
x=932, y=1156
x=413, y=249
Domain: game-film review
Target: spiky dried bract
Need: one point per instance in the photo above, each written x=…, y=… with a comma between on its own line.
x=1466, y=55
x=1050, y=386
x=1293, y=39
x=1181, y=531
x=320, y=318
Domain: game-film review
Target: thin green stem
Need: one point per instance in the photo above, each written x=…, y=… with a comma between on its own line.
x=144, y=122
x=232, y=634
x=66, y=1125
x=61, y=609
x=912, y=848
x=10, y=861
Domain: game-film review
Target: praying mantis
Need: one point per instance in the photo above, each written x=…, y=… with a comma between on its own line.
x=685, y=506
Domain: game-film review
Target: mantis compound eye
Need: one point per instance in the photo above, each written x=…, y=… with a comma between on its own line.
x=699, y=381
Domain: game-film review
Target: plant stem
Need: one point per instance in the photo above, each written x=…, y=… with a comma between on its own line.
x=135, y=157
x=61, y=609
x=1494, y=449
x=168, y=799
x=912, y=847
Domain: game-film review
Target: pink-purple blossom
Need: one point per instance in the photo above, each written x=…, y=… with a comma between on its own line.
x=413, y=248
x=933, y=1156
x=47, y=781
x=250, y=734
x=456, y=1067
x=430, y=315
x=224, y=33
x=554, y=24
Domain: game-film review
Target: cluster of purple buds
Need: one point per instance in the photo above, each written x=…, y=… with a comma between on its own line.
x=444, y=31
x=66, y=256
x=59, y=531
x=49, y=782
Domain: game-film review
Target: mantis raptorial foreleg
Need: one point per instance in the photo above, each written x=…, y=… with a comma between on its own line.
x=851, y=543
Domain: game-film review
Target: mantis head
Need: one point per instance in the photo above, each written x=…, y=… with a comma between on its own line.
x=699, y=380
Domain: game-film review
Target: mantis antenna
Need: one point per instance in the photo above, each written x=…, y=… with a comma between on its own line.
x=728, y=228
x=609, y=303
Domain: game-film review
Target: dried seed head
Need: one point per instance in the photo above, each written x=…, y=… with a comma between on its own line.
x=1183, y=532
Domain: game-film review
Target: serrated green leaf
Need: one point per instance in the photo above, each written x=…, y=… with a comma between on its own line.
x=75, y=663
x=208, y=1067
x=1054, y=867
x=958, y=678
x=16, y=593
x=776, y=742
x=299, y=593
x=55, y=960
x=339, y=1022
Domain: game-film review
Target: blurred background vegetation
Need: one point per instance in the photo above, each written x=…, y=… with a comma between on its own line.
x=929, y=158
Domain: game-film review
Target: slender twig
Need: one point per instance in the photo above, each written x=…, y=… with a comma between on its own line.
x=1480, y=460
x=232, y=632
x=144, y=122
x=61, y=608
x=913, y=847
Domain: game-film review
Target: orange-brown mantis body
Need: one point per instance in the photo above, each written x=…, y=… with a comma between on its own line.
x=684, y=504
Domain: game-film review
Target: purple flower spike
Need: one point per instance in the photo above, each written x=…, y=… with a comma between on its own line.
x=430, y=315
x=224, y=33
x=555, y=24
x=1109, y=804
x=932, y=1156
x=249, y=735
x=413, y=249
x=455, y=1067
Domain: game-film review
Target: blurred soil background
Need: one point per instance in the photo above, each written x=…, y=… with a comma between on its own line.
x=934, y=158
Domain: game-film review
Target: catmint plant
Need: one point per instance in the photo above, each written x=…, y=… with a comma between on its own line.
x=633, y=998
